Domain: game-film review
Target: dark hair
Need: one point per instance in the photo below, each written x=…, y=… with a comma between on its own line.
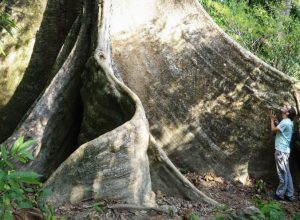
x=292, y=113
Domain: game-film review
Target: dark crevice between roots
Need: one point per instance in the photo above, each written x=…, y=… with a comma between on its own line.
x=67, y=145
x=106, y=105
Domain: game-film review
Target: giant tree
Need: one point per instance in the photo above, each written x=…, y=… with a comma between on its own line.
x=113, y=89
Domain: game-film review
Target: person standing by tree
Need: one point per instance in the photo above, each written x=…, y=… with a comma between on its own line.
x=284, y=131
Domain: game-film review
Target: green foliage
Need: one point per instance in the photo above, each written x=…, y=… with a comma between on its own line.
x=193, y=216
x=271, y=210
x=7, y=25
x=262, y=29
x=98, y=207
x=259, y=187
x=20, y=189
x=47, y=209
x=296, y=216
x=15, y=184
x=171, y=213
x=224, y=212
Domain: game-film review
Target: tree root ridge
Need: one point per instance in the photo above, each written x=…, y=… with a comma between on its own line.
x=176, y=184
x=118, y=158
x=55, y=112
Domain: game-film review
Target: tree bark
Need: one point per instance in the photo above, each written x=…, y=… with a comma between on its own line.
x=201, y=91
x=27, y=16
x=53, y=119
x=57, y=20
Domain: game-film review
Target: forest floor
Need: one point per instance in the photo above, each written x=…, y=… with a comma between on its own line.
x=237, y=196
x=234, y=195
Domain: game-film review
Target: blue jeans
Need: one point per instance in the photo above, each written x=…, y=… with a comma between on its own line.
x=285, y=187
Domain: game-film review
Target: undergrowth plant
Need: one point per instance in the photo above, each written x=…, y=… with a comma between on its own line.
x=224, y=212
x=19, y=188
x=271, y=210
x=296, y=216
x=259, y=187
x=193, y=216
x=98, y=207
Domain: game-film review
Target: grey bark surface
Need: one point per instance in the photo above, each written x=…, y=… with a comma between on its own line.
x=52, y=121
x=113, y=165
x=201, y=91
x=167, y=178
x=56, y=23
x=205, y=97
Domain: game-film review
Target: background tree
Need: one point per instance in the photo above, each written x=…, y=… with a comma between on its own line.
x=269, y=29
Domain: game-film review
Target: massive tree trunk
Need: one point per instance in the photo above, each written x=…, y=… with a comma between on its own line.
x=125, y=63
x=202, y=92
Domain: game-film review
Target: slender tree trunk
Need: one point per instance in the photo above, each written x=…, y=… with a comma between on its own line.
x=286, y=8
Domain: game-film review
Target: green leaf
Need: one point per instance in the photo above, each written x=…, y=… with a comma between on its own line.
x=16, y=196
x=97, y=207
x=26, y=145
x=8, y=215
x=296, y=216
x=13, y=183
x=25, y=155
x=3, y=152
x=44, y=193
x=6, y=200
x=26, y=177
x=21, y=151
x=193, y=216
x=25, y=205
x=8, y=164
x=2, y=184
x=29, y=190
x=6, y=23
x=16, y=145
x=20, y=159
x=2, y=175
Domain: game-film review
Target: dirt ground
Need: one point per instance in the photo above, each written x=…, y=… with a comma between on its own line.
x=234, y=195
x=238, y=196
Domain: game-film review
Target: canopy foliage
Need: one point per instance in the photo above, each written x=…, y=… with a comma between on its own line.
x=6, y=26
x=263, y=28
